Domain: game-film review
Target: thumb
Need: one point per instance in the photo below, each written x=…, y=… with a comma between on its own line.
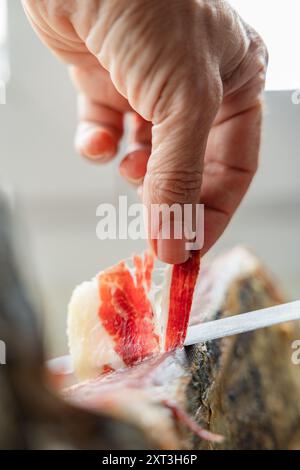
x=174, y=172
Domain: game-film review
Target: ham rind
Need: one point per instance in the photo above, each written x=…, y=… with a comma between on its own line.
x=182, y=286
x=126, y=313
x=156, y=388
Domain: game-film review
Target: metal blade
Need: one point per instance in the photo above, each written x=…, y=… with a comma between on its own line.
x=242, y=323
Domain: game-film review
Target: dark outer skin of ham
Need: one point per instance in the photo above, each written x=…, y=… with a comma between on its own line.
x=184, y=277
x=126, y=312
x=159, y=377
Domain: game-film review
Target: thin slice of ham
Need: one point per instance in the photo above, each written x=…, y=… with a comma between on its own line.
x=126, y=312
x=183, y=281
x=114, y=320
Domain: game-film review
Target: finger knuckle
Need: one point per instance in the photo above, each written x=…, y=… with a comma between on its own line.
x=258, y=57
x=258, y=46
x=174, y=187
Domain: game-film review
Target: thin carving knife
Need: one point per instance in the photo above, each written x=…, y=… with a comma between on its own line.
x=242, y=323
x=219, y=328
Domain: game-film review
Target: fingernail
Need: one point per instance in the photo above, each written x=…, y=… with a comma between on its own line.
x=133, y=166
x=170, y=249
x=97, y=144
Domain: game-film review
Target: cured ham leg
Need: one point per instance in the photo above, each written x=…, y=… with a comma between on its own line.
x=244, y=388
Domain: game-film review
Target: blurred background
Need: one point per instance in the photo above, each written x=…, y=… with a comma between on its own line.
x=58, y=192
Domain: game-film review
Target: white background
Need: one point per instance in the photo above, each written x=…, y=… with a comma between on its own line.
x=278, y=23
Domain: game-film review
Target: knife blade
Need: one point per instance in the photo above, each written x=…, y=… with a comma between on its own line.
x=217, y=329
x=243, y=323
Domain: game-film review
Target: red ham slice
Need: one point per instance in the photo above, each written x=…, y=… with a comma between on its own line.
x=183, y=281
x=126, y=312
x=115, y=321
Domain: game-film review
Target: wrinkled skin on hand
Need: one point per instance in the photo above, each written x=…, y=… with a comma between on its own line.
x=190, y=72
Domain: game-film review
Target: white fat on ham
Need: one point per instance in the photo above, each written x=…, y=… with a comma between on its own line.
x=91, y=347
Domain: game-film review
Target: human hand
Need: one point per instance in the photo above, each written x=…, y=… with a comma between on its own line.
x=190, y=72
